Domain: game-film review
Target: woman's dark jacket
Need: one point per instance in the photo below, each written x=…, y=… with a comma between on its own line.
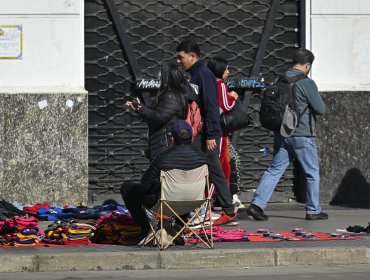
x=170, y=107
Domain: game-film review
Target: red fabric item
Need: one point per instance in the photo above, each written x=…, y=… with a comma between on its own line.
x=221, y=235
x=226, y=104
x=290, y=236
x=82, y=241
x=194, y=118
x=225, y=101
x=33, y=209
x=225, y=157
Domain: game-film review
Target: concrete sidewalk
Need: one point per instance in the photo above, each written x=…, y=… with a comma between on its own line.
x=225, y=254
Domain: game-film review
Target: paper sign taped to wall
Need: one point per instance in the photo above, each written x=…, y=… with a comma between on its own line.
x=11, y=42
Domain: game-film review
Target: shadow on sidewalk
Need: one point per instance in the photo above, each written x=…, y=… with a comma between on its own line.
x=353, y=191
x=244, y=216
x=288, y=217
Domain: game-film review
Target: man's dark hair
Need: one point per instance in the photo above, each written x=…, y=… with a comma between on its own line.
x=183, y=138
x=303, y=56
x=188, y=47
x=217, y=65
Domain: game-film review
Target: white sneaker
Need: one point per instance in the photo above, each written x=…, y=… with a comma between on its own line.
x=196, y=222
x=237, y=202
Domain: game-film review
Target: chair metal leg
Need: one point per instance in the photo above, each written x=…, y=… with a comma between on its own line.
x=153, y=223
x=186, y=224
x=161, y=228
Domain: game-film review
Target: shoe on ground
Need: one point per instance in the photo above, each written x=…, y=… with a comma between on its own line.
x=179, y=240
x=144, y=239
x=197, y=221
x=237, y=202
x=320, y=216
x=224, y=219
x=144, y=234
x=257, y=213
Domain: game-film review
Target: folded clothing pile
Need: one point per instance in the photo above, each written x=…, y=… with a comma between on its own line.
x=68, y=232
x=32, y=209
x=116, y=228
x=72, y=212
x=8, y=210
x=19, y=231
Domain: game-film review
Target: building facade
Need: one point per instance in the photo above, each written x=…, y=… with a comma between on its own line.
x=66, y=146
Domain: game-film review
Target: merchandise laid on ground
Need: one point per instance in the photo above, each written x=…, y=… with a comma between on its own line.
x=264, y=235
x=113, y=224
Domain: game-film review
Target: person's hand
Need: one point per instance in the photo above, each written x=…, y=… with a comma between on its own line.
x=233, y=94
x=211, y=145
x=135, y=104
x=129, y=104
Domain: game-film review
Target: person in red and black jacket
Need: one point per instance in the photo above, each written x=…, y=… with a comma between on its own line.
x=226, y=102
x=205, y=85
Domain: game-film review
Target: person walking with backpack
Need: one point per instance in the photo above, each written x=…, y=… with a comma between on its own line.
x=205, y=85
x=171, y=104
x=300, y=146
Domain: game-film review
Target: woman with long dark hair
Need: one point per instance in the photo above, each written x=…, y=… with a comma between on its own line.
x=170, y=104
x=226, y=102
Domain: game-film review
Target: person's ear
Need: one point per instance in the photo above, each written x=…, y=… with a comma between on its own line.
x=308, y=67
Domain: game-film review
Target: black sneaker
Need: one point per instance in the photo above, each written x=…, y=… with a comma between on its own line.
x=320, y=216
x=257, y=213
x=179, y=240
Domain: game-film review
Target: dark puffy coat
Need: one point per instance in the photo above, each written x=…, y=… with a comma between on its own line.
x=160, y=118
x=171, y=159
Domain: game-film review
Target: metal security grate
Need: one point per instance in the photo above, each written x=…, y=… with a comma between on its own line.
x=228, y=28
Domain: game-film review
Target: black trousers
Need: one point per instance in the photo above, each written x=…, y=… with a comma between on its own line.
x=217, y=176
x=135, y=199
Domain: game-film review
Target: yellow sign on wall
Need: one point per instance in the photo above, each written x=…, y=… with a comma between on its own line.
x=11, y=42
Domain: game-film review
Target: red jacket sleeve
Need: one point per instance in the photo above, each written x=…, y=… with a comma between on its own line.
x=225, y=101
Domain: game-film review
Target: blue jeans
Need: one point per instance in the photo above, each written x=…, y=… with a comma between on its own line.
x=302, y=149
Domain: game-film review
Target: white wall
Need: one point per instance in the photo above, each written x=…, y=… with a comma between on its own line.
x=339, y=36
x=53, y=43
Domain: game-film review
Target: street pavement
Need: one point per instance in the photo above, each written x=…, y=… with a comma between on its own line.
x=338, y=272
x=225, y=254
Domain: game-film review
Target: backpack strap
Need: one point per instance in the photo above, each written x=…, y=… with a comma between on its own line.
x=293, y=80
x=297, y=77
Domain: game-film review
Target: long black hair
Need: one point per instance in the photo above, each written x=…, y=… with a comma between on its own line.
x=218, y=66
x=173, y=79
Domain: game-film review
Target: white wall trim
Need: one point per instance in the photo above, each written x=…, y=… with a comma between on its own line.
x=82, y=44
x=308, y=24
x=41, y=90
x=39, y=7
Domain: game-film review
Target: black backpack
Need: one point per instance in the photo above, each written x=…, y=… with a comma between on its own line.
x=276, y=99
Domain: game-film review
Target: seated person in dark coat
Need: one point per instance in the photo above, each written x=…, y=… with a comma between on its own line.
x=146, y=193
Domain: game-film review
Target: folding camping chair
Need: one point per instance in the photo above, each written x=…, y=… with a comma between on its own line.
x=182, y=191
